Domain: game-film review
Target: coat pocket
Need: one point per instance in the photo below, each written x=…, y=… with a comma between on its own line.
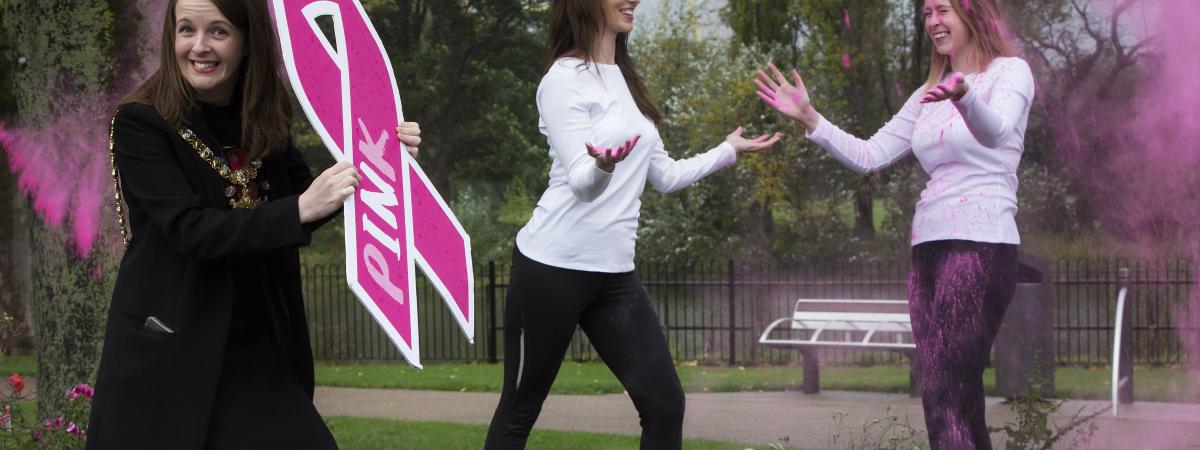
x=150, y=326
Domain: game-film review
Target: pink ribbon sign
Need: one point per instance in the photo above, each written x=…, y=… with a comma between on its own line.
x=395, y=220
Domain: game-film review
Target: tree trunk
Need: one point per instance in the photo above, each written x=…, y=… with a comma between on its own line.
x=918, y=43
x=864, y=208
x=68, y=49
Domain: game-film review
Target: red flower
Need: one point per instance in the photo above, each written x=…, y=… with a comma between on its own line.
x=17, y=382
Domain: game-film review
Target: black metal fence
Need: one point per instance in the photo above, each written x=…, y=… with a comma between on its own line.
x=716, y=311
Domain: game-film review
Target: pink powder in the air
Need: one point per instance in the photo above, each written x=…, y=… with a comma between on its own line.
x=63, y=165
x=846, y=18
x=846, y=60
x=1136, y=156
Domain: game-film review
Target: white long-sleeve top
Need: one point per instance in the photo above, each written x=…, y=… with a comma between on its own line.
x=587, y=219
x=970, y=148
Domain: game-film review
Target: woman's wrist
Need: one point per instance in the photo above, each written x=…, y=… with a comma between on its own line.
x=606, y=167
x=965, y=88
x=302, y=210
x=810, y=119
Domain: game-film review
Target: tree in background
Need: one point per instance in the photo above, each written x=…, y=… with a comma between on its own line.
x=15, y=262
x=468, y=72
x=856, y=56
x=62, y=110
x=1089, y=57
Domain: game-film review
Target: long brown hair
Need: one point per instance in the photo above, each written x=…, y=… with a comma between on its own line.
x=988, y=34
x=575, y=25
x=266, y=108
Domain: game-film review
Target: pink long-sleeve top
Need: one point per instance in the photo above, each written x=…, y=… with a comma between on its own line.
x=970, y=148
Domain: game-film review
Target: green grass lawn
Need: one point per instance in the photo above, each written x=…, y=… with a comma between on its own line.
x=1167, y=384
x=358, y=433
x=24, y=365
x=361, y=433
x=1150, y=383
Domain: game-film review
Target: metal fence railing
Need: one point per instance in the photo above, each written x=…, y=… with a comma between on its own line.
x=714, y=311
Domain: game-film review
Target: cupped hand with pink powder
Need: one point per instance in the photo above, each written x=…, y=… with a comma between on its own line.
x=608, y=157
x=954, y=88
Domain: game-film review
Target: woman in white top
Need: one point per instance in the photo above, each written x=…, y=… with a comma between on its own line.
x=966, y=127
x=573, y=262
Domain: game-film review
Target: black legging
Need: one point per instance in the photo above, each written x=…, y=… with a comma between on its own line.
x=544, y=305
x=958, y=292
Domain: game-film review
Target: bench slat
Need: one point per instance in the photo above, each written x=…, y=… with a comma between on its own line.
x=840, y=305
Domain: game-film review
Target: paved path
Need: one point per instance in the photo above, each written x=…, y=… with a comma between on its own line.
x=756, y=418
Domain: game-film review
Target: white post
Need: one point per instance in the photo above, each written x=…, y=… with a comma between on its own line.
x=1116, y=358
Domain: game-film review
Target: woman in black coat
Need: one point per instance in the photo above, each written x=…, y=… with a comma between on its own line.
x=207, y=344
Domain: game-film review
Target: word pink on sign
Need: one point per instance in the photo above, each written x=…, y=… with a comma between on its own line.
x=395, y=219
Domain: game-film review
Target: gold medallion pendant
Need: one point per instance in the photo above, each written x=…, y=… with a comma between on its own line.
x=240, y=178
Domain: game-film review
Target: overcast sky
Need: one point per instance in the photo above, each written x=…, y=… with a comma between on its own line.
x=650, y=12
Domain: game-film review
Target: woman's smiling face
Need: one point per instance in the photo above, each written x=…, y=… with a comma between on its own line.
x=208, y=49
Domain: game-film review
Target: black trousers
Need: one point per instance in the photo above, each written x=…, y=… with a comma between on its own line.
x=957, y=294
x=545, y=303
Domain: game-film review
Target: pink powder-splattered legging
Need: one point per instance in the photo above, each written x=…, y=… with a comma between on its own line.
x=957, y=294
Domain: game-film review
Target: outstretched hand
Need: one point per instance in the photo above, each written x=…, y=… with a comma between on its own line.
x=790, y=99
x=953, y=88
x=758, y=144
x=608, y=157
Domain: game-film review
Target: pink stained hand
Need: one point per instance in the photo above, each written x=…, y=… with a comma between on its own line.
x=953, y=88
x=778, y=92
x=608, y=157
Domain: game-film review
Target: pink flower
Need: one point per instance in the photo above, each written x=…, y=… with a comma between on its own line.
x=37, y=435
x=81, y=390
x=17, y=382
x=74, y=429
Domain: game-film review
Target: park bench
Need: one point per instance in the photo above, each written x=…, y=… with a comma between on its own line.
x=844, y=323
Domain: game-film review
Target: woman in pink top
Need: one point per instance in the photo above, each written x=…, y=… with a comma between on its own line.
x=966, y=126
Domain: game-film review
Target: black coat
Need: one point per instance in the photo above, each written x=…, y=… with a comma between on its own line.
x=154, y=389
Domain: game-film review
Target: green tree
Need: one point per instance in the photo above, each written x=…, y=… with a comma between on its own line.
x=14, y=285
x=468, y=72
x=704, y=93
x=856, y=58
x=63, y=82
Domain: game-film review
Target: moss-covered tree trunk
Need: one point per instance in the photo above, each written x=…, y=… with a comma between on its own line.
x=67, y=46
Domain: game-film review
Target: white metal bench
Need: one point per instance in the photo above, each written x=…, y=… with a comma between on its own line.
x=844, y=323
